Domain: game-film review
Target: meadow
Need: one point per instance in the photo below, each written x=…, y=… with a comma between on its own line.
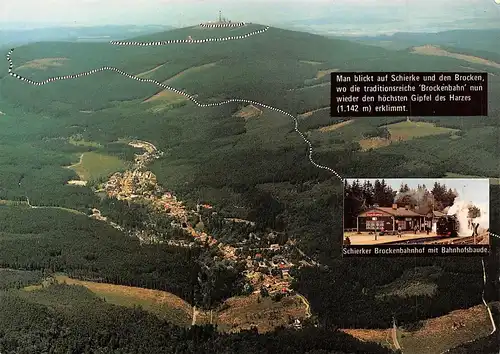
x=165, y=305
x=95, y=166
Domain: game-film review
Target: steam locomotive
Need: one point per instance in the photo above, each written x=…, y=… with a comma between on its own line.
x=447, y=226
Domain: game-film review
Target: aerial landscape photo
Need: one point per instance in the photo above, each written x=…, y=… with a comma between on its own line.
x=172, y=179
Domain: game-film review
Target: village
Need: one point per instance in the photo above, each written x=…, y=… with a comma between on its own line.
x=268, y=263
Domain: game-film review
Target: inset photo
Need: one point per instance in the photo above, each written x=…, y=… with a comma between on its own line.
x=395, y=212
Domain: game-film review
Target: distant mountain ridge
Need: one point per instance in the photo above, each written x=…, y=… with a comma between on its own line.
x=481, y=39
x=14, y=37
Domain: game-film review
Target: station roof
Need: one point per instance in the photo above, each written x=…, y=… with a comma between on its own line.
x=388, y=211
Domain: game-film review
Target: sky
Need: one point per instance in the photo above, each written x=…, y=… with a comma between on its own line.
x=348, y=15
x=475, y=190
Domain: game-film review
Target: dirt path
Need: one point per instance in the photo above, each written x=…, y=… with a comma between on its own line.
x=308, y=306
x=195, y=314
x=394, y=334
x=493, y=325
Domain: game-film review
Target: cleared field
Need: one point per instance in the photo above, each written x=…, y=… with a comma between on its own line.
x=77, y=183
x=248, y=112
x=335, y=126
x=167, y=97
x=81, y=142
x=437, y=51
x=13, y=202
x=147, y=74
x=310, y=62
x=266, y=314
x=43, y=63
x=161, y=303
x=192, y=70
x=411, y=130
x=373, y=143
x=380, y=336
x=457, y=175
x=405, y=131
x=323, y=73
x=310, y=113
x=439, y=334
x=93, y=165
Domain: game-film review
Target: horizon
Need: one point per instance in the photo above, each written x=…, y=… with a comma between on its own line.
x=343, y=17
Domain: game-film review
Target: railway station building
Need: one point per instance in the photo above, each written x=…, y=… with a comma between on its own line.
x=390, y=218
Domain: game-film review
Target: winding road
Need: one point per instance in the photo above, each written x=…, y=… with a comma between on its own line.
x=394, y=334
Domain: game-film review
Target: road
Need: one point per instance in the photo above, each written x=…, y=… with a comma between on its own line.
x=195, y=314
x=308, y=306
x=395, y=335
x=493, y=325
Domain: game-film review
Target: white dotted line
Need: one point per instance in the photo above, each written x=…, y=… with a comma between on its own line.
x=232, y=24
x=178, y=41
x=494, y=235
x=190, y=97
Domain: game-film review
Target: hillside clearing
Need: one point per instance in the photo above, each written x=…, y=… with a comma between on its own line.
x=323, y=73
x=167, y=96
x=310, y=113
x=94, y=165
x=495, y=180
x=191, y=70
x=161, y=303
x=147, y=74
x=435, y=335
x=13, y=202
x=44, y=63
x=77, y=183
x=311, y=62
x=435, y=50
x=438, y=334
x=335, y=126
x=403, y=131
x=77, y=141
x=373, y=143
x=380, y=336
x=243, y=312
x=248, y=112
x=411, y=130
x=310, y=86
